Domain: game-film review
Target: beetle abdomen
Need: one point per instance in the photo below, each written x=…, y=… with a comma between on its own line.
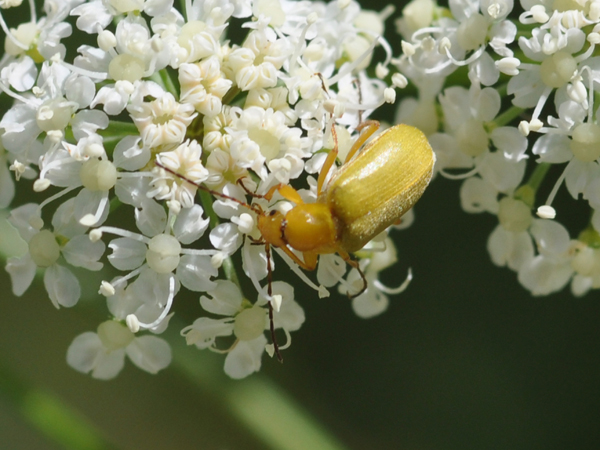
x=385, y=180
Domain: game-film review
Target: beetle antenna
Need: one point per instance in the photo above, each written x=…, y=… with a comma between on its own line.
x=270, y=292
x=205, y=189
x=320, y=75
x=356, y=83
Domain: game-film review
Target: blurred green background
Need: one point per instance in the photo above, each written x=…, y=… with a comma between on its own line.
x=464, y=359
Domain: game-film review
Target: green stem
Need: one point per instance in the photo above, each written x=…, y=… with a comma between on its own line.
x=158, y=80
x=538, y=175
x=230, y=272
x=163, y=79
x=207, y=202
x=230, y=95
x=526, y=193
x=117, y=128
x=168, y=82
x=114, y=204
x=507, y=116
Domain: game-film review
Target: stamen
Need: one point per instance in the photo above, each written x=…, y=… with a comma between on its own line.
x=132, y=318
x=383, y=42
x=10, y=36
x=323, y=292
x=312, y=18
x=89, y=220
x=467, y=61
x=218, y=350
x=65, y=191
x=436, y=69
x=88, y=73
x=288, y=340
x=26, y=101
x=587, y=54
x=546, y=212
x=124, y=233
x=106, y=289
x=57, y=164
x=540, y=104
x=392, y=291
x=129, y=276
x=270, y=348
x=196, y=252
x=32, y=11
x=462, y=176
x=545, y=208
x=348, y=68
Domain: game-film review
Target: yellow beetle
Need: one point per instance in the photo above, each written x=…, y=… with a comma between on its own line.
x=367, y=195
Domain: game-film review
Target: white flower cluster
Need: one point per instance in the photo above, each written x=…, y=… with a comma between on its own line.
x=106, y=128
x=548, y=80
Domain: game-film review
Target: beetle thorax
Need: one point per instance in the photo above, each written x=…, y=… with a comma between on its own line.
x=310, y=227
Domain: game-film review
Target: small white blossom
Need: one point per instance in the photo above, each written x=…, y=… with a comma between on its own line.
x=103, y=353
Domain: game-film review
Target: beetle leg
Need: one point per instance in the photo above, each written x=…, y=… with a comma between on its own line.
x=270, y=292
x=328, y=162
x=286, y=191
x=306, y=266
x=310, y=259
x=291, y=194
x=371, y=127
x=346, y=257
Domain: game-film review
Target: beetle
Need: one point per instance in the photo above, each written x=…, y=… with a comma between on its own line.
x=368, y=194
x=364, y=197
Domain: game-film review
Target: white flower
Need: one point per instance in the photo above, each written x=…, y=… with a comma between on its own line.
x=256, y=63
x=245, y=321
x=261, y=138
x=103, y=353
x=185, y=161
x=586, y=264
x=510, y=243
x=162, y=121
x=204, y=85
x=45, y=249
x=551, y=269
